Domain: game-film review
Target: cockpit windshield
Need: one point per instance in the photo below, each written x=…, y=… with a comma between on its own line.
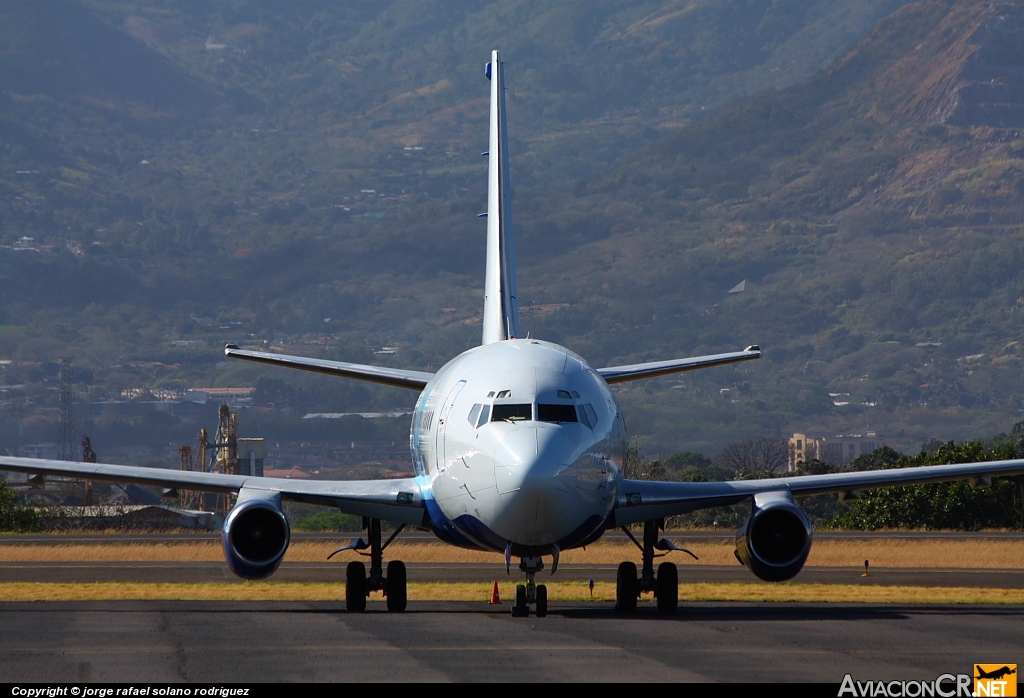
x=512, y=413
x=556, y=413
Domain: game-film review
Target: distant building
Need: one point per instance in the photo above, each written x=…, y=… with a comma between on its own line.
x=251, y=454
x=134, y=516
x=837, y=450
x=46, y=451
x=224, y=392
x=233, y=395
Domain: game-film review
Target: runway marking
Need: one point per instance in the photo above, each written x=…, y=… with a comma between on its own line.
x=318, y=648
x=796, y=650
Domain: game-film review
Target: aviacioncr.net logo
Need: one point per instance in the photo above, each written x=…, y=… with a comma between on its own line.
x=944, y=686
x=995, y=680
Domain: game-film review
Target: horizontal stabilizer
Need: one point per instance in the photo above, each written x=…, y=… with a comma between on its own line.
x=621, y=374
x=400, y=378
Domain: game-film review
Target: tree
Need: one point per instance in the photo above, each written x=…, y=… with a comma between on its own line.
x=765, y=456
x=687, y=466
x=13, y=517
x=946, y=505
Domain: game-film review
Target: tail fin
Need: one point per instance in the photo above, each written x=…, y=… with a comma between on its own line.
x=501, y=305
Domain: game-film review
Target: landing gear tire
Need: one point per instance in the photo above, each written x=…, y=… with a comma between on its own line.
x=519, y=608
x=396, y=586
x=355, y=587
x=542, y=600
x=667, y=588
x=627, y=588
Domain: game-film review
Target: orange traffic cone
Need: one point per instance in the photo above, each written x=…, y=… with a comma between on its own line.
x=494, y=595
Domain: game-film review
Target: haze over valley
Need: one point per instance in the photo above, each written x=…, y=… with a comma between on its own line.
x=838, y=182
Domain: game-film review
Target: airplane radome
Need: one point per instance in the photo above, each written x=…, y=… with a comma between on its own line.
x=517, y=447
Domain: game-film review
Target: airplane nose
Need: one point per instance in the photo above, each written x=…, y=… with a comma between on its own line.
x=529, y=452
x=533, y=476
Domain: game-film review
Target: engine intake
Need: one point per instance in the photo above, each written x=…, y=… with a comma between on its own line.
x=256, y=535
x=775, y=540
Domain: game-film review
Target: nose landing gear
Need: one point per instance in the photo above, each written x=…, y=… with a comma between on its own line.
x=665, y=584
x=358, y=586
x=530, y=593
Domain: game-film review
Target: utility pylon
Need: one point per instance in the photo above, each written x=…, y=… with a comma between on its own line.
x=67, y=415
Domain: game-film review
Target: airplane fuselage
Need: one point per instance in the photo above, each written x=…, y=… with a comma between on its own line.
x=518, y=442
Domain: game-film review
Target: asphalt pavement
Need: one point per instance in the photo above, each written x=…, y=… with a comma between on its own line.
x=262, y=642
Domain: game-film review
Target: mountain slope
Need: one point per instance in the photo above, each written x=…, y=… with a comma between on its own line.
x=871, y=208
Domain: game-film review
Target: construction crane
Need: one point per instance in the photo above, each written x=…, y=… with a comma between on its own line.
x=88, y=456
x=190, y=499
x=221, y=456
x=226, y=455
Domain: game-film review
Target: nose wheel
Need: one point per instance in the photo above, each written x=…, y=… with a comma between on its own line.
x=531, y=592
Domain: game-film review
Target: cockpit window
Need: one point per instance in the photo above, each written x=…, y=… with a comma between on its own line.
x=556, y=413
x=565, y=394
x=591, y=413
x=575, y=394
x=490, y=394
x=512, y=413
x=585, y=418
x=479, y=414
x=504, y=393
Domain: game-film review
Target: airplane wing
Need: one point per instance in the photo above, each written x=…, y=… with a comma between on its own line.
x=621, y=374
x=643, y=500
x=398, y=500
x=414, y=380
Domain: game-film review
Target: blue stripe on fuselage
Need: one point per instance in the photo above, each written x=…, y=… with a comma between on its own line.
x=591, y=530
x=445, y=529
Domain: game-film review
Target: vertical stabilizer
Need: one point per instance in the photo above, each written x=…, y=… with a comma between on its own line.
x=501, y=306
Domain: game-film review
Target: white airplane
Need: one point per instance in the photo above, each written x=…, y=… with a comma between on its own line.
x=518, y=447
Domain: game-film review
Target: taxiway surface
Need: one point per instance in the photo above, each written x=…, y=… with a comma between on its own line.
x=334, y=572
x=272, y=641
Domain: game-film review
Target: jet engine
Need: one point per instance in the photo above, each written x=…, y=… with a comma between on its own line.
x=256, y=535
x=774, y=541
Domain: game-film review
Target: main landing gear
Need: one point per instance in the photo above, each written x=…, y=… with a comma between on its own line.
x=531, y=592
x=665, y=585
x=358, y=586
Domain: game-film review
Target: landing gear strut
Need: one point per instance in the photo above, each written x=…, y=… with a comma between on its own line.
x=665, y=584
x=358, y=586
x=531, y=592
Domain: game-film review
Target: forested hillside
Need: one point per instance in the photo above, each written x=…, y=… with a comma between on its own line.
x=308, y=176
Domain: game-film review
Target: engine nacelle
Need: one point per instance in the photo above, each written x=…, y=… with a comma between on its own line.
x=256, y=535
x=775, y=540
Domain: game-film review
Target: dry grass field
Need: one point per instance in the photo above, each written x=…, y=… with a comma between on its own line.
x=604, y=591
x=940, y=553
